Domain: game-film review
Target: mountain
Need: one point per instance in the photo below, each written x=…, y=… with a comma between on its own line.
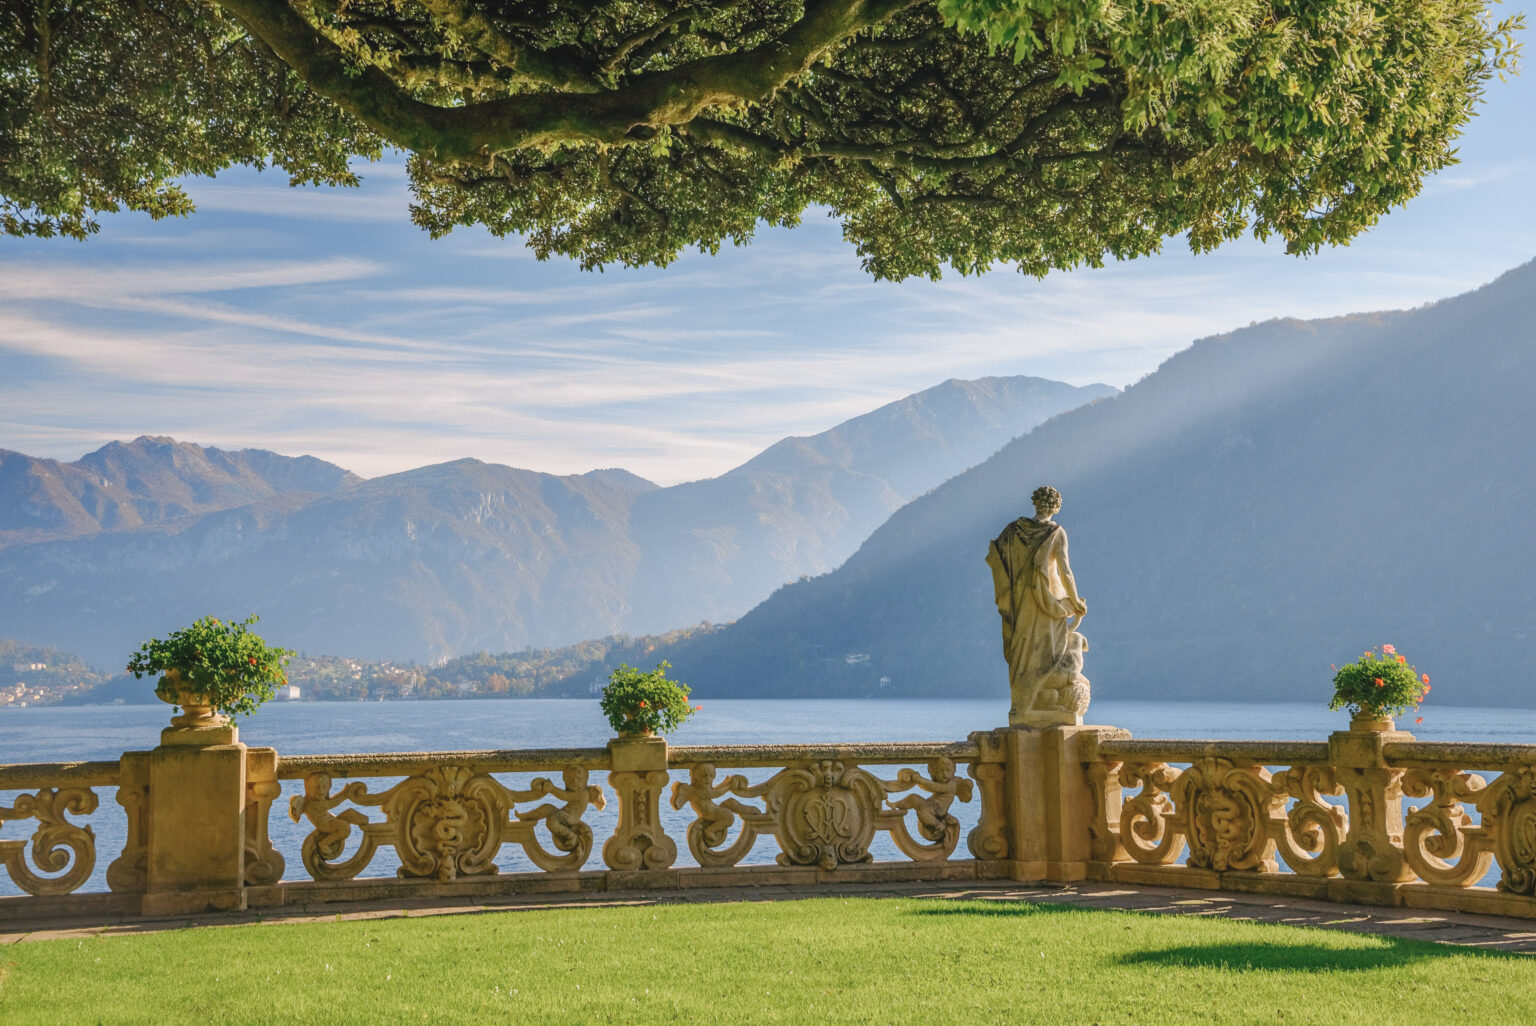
x=713, y=549
x=1266, y=504
x=146, y=481
x=468, y=556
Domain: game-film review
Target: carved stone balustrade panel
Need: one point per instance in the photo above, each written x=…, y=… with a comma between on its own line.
x=1309, y=833
x=446, y=822
x=1230, y=813
x=1223, y=809
x=56, y=845
x=1508, y=808
x=823, y=813
x=1440, y=842
x=1149, y=828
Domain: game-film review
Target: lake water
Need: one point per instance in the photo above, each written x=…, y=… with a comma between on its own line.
x=319, y=728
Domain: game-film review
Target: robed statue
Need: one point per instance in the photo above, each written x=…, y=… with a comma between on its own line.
x=1041, y=610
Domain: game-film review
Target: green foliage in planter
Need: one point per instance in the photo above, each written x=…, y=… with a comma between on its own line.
x=1381, y=683
x=223, y=660
x=639, y=702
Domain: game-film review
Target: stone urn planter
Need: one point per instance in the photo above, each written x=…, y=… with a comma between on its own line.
x=1365, y=722
x=644, y=704
x=209, y=669
x=1377, y=688
x=197, y=712
x=634, y=729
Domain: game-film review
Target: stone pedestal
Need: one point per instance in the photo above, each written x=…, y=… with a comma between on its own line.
x=196, y=823
x=638, y=779
x=1372, y=851
x=1048, y=799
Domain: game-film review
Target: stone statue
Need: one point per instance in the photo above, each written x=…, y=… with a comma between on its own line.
x=1041, y=610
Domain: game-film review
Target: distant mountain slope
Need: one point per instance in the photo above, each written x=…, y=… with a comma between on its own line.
x=146, y=481
x=1267, y=503
x=713, y=549
x=468, y=556
x=406, y=566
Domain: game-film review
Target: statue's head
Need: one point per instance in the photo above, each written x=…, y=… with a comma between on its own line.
x=1047, y=501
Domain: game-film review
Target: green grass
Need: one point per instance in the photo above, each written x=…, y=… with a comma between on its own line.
x=807, y=962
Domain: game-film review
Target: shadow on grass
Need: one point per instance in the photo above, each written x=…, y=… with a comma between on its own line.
x=1275, y=956
x=1288, y=958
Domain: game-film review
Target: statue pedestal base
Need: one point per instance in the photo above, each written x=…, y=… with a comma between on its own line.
x=1039, y=720
x=1048, y=798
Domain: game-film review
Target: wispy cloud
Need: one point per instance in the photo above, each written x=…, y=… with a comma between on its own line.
x=304, y=203
x=321, y=321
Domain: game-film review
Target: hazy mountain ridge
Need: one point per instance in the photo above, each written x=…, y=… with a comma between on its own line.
x=807, y=503
x=1267, y=503
x=147, y=481
x=467, y=556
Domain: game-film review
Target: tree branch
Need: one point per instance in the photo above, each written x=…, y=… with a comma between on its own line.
x=474, y=131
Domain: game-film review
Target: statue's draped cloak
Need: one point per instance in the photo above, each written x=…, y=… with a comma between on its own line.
x=1032, y=601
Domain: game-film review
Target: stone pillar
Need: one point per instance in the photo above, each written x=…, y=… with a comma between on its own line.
x=1049, y=797
x=196, y=822
x=1371, y=856
x=988, y=839
x=638, y=778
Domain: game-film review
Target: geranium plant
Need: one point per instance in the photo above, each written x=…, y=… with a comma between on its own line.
x=222, y=662
x=1380, y=683
x=638, y=702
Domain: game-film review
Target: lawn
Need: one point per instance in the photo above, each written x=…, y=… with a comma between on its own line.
x=808, y=962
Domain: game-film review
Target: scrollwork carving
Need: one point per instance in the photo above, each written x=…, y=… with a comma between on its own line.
x=824, y=813
x=1440, y=841
x=1508, y=808
x=57, y=845
x=1225, y=813
x=1310, y=832
x=1148, y=828
x=447, y=822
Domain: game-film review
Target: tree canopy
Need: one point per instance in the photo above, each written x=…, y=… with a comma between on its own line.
x=1050, y=133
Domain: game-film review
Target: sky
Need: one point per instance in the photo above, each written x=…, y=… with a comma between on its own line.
x=323, y=322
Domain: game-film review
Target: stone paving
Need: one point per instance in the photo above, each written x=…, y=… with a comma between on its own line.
x=1493, y=932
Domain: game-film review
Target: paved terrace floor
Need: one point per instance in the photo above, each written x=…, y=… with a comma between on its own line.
x=1495, y=932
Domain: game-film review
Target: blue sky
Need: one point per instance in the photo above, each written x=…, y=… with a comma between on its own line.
x=322, y=322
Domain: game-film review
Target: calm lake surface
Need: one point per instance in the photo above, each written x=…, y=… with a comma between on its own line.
x=56, y=734
x=321, y=728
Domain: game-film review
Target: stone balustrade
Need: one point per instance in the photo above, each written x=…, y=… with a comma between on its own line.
x=1365, y=816
x=60, y=854
x=1371, y=817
